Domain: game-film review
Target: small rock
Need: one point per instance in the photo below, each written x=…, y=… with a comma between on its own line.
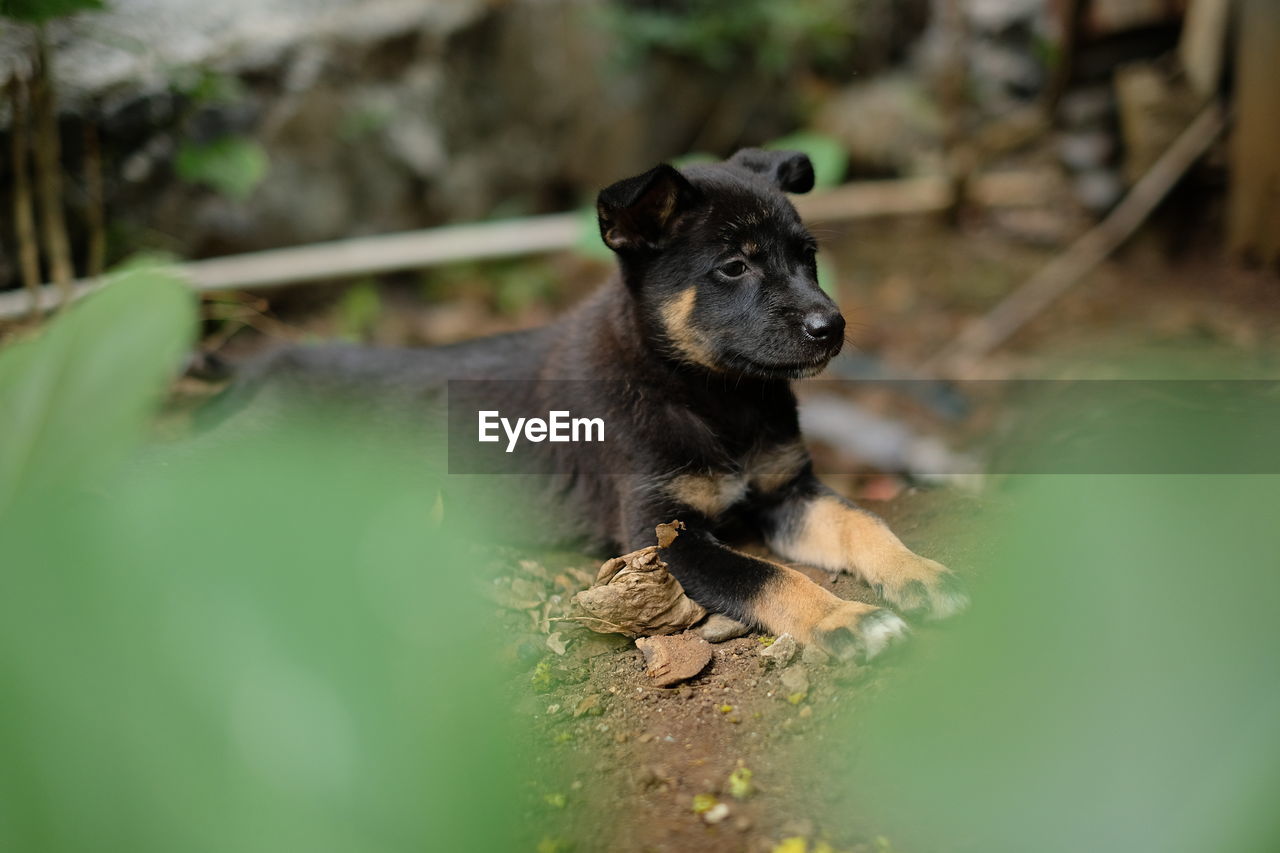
x=814, y=656
x=716, y=813
x=781, y=650
x=674, y=658
x=718, y=628
x=590, y=704
x=556, y=643
x=795, y=680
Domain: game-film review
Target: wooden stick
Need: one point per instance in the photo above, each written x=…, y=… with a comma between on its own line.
x=49, y=173
x=1043, y=289
x=343, y=259
x=24, y=223
x=94, y=215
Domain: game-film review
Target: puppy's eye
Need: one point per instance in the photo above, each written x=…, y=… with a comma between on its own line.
x=733, y=269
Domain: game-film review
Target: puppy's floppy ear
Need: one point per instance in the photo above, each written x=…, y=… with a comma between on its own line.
x=790, y=171
x=637, y=212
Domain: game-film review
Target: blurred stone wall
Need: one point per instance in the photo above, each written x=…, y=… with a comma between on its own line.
x=380, y=115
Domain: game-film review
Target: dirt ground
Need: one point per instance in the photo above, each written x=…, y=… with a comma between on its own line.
x=627, y=766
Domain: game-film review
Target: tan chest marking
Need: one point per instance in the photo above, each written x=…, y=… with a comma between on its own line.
x=709, y=494
x=771, y=469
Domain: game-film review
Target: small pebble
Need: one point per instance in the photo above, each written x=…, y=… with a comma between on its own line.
x=795, y=680
x=781, y=650
x=814, y=656
x=716, y=813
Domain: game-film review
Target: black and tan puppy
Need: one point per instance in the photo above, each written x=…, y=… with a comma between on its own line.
x=690, y=352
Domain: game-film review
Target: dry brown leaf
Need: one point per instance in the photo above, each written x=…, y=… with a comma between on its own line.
x=635, y=595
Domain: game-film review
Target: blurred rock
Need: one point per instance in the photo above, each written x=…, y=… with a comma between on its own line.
x=1098, y=190
x=888, y=125
x=1081, y=150
x=780, y=651
x=1087, y=106
x=379, y=115
x=719, y=628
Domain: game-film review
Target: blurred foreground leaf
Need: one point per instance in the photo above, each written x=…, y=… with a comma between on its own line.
x=254, y=643
x=1114, y=687
x=75, y=400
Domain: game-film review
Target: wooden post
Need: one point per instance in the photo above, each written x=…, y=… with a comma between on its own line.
x=1254, y=214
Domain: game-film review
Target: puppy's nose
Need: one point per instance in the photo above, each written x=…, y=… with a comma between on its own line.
x=824, y=326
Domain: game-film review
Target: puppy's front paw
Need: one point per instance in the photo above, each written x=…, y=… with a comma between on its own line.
x=856, y=630
x=917, y=584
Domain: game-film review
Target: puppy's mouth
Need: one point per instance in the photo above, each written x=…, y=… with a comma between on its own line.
x=784, y=369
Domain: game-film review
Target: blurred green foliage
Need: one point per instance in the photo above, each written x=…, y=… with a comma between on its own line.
x=38, y=11
x=251, y=644
x=359, y=310
x=206, y=86
x=830, y=160
x=1114, y=687
x=509, y=285
x=721, y=34
x=70, y=407
x=230, y=165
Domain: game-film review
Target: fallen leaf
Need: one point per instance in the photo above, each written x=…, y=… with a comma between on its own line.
x=636, y=596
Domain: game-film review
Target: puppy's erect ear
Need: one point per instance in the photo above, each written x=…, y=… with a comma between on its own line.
x=637, y=212
x=790, y=171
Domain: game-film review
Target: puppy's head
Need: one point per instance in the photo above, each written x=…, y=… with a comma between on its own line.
x=721, y=266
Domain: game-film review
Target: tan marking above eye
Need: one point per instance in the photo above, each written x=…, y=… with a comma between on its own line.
x=772, y=468
x=709, y=494
x=677, y=317
x=750, y=249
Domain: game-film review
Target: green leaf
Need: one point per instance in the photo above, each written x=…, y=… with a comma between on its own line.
x=830, y=161
x=589, y=242
x=359, y=309
x=232, y=165
x=76, y=400
x=37, y=11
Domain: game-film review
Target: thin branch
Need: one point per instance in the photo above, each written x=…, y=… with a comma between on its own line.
x=49, y=172
x=24, y=223
x=94, y=215
x=1057, y=277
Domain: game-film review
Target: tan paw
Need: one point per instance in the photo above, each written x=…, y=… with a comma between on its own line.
x=913, y=583
x=856, y=630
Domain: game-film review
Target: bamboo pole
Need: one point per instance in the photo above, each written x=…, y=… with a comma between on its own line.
x=344, y=259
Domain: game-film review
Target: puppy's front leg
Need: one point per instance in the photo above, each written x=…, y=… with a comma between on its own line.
x=769, y=595
x=811, y=524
